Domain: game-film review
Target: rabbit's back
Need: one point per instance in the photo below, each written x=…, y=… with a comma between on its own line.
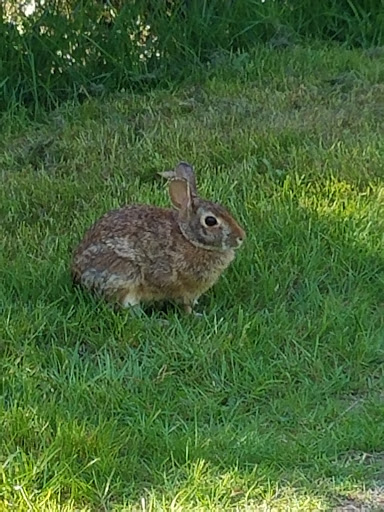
x=116, y=246
x=133, y=222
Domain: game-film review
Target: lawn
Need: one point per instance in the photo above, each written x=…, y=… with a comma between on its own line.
x=274, y=399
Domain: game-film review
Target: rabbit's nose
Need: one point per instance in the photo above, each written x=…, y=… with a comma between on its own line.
x=240, y=237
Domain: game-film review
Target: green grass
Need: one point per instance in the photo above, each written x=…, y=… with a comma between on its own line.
x=274, y=399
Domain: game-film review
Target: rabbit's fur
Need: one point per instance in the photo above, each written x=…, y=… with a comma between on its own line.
x=142, y=253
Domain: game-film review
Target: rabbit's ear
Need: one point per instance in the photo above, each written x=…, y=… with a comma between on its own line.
x=180, y=193
x=186, y=172
x=183, y=171
x=169, y=175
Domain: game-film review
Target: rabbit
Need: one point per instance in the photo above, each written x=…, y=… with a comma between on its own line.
x=140, y=253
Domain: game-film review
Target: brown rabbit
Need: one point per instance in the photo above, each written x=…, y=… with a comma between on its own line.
x=141, y=253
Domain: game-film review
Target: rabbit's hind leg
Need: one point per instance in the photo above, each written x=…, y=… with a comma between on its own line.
x=129, y=299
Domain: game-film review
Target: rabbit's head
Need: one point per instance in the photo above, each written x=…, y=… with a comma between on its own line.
x=205, y=224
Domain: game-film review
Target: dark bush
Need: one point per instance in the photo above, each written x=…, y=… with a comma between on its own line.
x=72, y=48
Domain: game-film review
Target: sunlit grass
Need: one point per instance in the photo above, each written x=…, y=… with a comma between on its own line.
x=271, y=401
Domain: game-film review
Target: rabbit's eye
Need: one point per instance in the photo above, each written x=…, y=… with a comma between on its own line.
x=210, y=221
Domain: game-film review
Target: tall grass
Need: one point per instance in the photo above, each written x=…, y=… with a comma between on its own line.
x=77, y=48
